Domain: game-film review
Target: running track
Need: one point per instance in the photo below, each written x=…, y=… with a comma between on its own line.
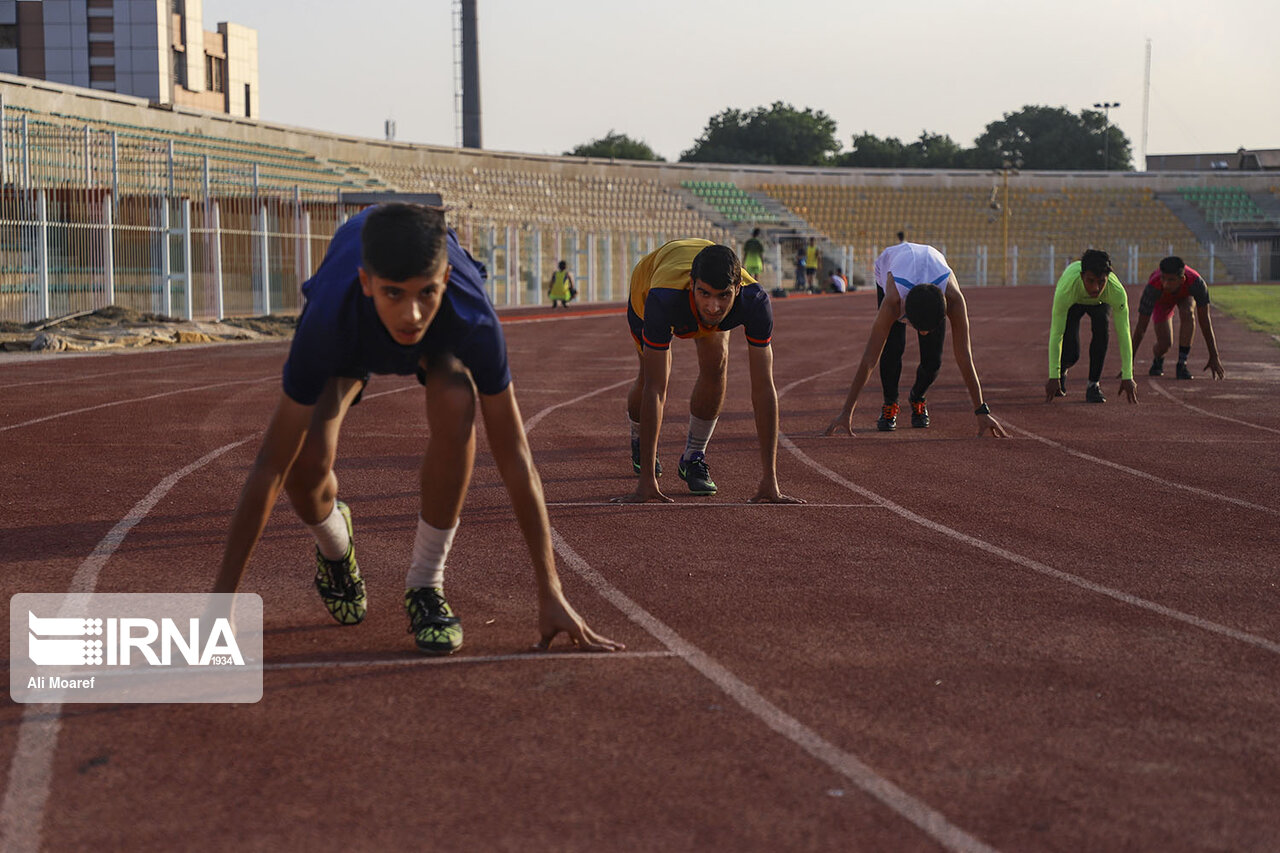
x=1068, y=640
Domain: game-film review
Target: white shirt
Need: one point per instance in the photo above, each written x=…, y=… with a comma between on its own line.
x=911, y=264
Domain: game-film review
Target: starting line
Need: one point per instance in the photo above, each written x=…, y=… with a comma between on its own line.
x=523, y=657
x=702, y=505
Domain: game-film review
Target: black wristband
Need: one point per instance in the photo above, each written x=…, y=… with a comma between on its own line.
x=984, y=409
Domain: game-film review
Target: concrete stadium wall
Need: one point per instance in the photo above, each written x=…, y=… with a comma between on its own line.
x=90, y=103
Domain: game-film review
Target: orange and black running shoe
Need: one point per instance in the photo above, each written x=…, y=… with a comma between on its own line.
x=888, y=420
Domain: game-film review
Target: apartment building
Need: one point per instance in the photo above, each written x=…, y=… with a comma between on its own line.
x=153, y=49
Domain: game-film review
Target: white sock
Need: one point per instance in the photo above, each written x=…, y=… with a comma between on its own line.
x=430, y=548
x=699, y=434
x=331, y=535
x=635, y=428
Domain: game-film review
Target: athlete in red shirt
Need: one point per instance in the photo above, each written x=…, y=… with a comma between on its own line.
x=1175, y=286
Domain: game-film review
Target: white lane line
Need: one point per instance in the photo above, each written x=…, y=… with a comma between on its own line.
x=399, y=390
x=1026, y=562
x=536, y=419
x=84, y=377
x=137, y=400
x=517, y=321
x=1134, y=472
x=31, y=769
x=700, y=505
x=927, y=819
x=1155, y=386
x=1018, y=559
x=527, y=657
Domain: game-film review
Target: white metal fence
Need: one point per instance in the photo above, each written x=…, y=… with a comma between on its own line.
x=63, y=253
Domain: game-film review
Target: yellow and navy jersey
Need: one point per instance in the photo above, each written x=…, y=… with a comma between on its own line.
x=662, y=306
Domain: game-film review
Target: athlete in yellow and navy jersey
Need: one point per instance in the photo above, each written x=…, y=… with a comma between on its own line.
x=697, y=289
x=662, y=304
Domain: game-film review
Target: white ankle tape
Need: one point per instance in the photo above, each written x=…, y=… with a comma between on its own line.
x=331, y=535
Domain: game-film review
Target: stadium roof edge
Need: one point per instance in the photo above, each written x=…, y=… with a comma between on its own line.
x=367, y=198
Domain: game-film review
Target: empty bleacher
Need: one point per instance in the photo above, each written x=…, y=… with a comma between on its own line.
x=1224, y=204
x=549, y=200
x=961, y=218
x=67, y=150
x=734, y=204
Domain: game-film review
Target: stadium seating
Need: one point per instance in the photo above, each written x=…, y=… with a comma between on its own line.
x=142, y=159
x=521, y=213
x=552, y=201
x=959, y=219
x=1224, y=204
x=731, y=202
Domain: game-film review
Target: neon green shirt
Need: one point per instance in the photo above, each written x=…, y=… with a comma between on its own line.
x=1070, y=291
x=753, y=257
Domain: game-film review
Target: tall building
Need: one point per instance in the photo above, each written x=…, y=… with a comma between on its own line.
x=153, y=49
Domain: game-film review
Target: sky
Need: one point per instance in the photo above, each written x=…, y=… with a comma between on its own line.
x=554, y=75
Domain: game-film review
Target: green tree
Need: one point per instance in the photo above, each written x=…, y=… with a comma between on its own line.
x=777, y=135
x=872, y=152
x=1052, y=138
x=930, y=151
x=934, y=151
x=615, y=146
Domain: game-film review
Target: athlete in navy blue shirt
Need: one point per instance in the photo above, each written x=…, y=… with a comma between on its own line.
x=397, y=294
x=340, y=334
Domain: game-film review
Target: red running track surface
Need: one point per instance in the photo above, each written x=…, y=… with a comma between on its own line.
x=1067, y=640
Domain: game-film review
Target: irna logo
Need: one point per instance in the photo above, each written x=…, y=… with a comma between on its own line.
x=135, y=647
x=128, y=641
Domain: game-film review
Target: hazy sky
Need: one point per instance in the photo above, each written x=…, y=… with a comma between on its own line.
x=557, y=74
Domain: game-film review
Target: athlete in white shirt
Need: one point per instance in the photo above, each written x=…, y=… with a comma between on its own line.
x=914, y=284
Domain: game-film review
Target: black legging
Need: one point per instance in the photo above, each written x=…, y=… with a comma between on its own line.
x=1100, y=319
x=891, y=359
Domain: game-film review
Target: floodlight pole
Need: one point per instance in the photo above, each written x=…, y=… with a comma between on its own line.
x=1004, y=225
x=1106, y=107
x=1010, y=164
x=470, y=76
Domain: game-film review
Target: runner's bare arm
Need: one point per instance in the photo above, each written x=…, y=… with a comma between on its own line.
x=1206, y=331
x=280, y=447
x=962, y=344
x=1140, y=330
x=890, y=308
x=511, y=454
x=656, y=364
x=764, y=403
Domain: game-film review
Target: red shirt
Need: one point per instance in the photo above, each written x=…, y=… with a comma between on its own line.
x=1167, y=298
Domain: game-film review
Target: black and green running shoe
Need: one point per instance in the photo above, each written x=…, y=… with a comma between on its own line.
x=694, y=471
x=338, y=581
x=431, y=621
x=635, y=460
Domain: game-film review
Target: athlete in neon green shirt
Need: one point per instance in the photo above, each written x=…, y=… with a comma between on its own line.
x=1088, y=286
x=753, y=255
